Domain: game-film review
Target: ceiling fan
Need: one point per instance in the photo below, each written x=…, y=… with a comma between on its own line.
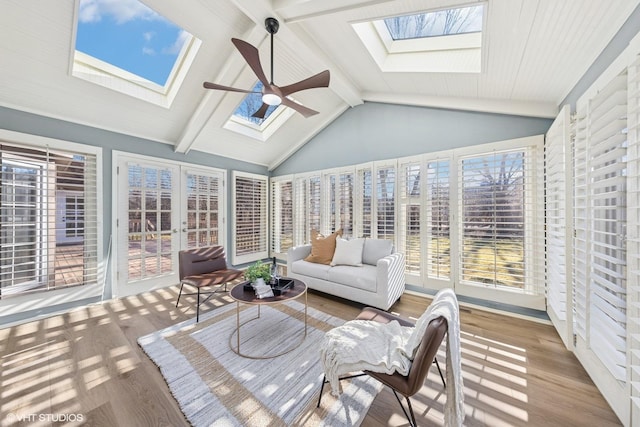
x=273, y=94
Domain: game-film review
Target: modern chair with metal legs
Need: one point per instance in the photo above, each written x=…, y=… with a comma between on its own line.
x=425, y=356
x=202, y=268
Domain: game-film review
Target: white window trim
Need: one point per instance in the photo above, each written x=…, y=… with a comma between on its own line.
x=40, y=300
x=243, y=259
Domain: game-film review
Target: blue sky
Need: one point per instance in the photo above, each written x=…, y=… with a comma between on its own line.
x=129, y=35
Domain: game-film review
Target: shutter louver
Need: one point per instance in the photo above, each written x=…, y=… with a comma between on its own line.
x=607, y=139
x=48, y=220
x=281, y=215
x=557, y=206
x=385, y=202
x=409, y=221
x=364, y=202
x=499, y=241
x=581, y=218
x=250, y=217
x=633, y=236
x=437, y=220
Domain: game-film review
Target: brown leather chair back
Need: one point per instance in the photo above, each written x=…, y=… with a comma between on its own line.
x=426, y=353
x=409, y=384
x=201, y=261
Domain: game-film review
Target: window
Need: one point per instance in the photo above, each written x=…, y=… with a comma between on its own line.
x=281, y=215
x=601, y=290
x=499, y=242
x=203, y=194
x=251, y=103
x=440, y=23
x=442, y=41
x=339, y=192
x=559, y=220
x=493, y=202
x=127, y=47
x=250, y=219
x=438, y=239
x=364, y=201
x=385, y=201
x=48, y=219
x=410, y=207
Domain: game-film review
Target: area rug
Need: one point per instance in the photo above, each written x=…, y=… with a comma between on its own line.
x=215, y=387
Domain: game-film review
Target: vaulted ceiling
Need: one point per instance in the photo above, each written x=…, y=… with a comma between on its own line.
x=534, y=52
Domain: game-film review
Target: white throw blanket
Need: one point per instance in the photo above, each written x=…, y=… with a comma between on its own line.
x=364, y=345
x=388, y=347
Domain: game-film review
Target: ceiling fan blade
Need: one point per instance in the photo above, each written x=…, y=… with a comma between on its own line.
x=209, y=85
x=306, y=112
x=319, y=80
x=252, y=56
x=260, y=113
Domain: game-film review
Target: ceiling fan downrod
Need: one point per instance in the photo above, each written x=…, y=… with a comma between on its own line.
x=271, y=25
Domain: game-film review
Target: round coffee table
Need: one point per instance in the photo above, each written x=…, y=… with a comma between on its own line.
x=242, y=296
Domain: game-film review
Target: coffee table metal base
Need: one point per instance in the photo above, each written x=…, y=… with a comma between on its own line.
x=236, y=332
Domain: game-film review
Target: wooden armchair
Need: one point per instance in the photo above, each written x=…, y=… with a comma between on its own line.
x=204, y=267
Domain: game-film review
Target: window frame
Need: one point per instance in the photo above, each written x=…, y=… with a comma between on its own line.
x=41, y=299
x=262, y=251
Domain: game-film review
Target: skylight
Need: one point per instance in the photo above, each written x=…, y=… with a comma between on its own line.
x=432, y=24
x=242, y=122
x=442, y=41
x=251, y=103
x=126, y=46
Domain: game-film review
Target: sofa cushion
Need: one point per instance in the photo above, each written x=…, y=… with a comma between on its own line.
x=310, y=269
x=374, y=249
x=361, y=278
x=322, y=248
x=348, y=252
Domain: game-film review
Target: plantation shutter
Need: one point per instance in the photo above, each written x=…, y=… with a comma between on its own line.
x=607, y=141
x=344, y=196
x=633, y=236
x=581, y=219
x=301, y=213
x=409, y=202
x=385, y=201
x=500, y=237
x=315, y=204
x=281, y=215
x=364, y=202
x=250, y=219
x=437, y=225
x=48, y=220
x=330, y=211
x=557, y=157
x=203, y=205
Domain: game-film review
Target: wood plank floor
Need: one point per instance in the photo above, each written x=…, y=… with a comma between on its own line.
x=87, y=363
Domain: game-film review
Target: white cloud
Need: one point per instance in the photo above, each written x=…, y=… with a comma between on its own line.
x=148, y=51
x=175, y=48
x=148, y=35
x=121, y=10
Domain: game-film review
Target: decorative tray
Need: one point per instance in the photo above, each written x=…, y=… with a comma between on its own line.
x=283, y=286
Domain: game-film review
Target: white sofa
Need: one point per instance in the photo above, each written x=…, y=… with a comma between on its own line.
x=379, y=282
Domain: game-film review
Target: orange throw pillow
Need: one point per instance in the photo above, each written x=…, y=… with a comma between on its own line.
x=322, y=248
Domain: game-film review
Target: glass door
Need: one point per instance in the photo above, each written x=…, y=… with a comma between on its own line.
x=161, y=209
x=202, y=207
x=148, y=235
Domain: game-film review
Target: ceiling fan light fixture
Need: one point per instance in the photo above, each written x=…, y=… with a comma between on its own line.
x=271, y=99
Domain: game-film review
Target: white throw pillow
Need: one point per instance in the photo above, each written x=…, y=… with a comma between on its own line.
x=348, y=252
x=374, y=249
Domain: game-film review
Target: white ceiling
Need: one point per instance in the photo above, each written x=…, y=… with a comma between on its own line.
x=535, y=51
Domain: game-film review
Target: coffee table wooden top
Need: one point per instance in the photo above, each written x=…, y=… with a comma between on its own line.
x=238, y=293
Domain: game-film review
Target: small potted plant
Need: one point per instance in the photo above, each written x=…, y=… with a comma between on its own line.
x=259, y=270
